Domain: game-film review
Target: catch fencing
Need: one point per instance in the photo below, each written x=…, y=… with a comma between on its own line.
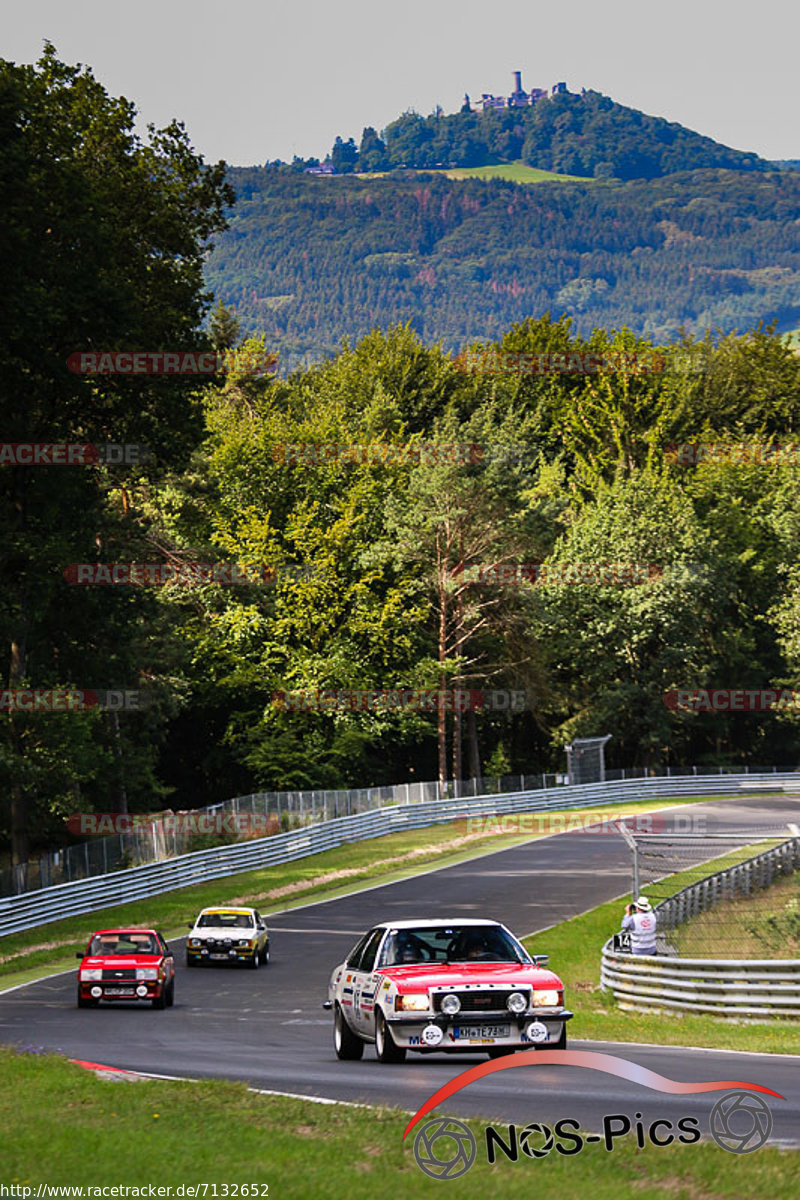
x=732, y=988
x=160, y=836
x=87, y=895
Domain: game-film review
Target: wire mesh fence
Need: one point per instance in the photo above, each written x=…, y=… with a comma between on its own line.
x=733, y=895
x=142, y=838
x=136, y=839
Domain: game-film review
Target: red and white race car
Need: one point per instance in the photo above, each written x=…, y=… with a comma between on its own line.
x=126, y=964
x=446, y=986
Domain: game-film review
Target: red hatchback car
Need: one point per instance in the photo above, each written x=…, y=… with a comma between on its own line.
x=126, y=964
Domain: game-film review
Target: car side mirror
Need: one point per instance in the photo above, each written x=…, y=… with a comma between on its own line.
x=540, y=960
x=190, y=926
x=79, y=954
x=261, y=927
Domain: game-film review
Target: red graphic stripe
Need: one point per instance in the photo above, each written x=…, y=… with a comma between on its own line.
x=594, y=1061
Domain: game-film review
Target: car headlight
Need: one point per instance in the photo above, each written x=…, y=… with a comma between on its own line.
x=451, y=1004
x=543, y=998
x=195, y=942
x=246, y=942
x=413, y=1002
x=91, y=973
x=517, y=1002
x=147, y=972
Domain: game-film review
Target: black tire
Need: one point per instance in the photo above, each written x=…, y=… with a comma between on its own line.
x=171, y=993
x=86, y=1003
x=385, y=1046
x=191, y=961
x=500, y=1051
x=265, y=955
x=254, y=961
x=345, y=1042
x=160, y=1001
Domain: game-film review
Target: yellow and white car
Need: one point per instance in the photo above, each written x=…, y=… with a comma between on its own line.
x=228, y=935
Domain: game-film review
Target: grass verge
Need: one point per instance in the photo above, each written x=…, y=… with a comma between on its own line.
x=100, y=1133
x=47, y=948
x=574, y=949
x=765, y=924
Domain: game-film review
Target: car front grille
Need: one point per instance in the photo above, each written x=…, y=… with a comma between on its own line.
x=477, y=1001
x=114, y=976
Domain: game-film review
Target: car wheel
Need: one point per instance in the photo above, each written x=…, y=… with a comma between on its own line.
x=84, y=1002
x=345, y=1042
x=254, y=961
x=500, y=1051
x=171, y=993
x=265, y=955
x=387, y=1049
x=161, y=1000
x=191, y=961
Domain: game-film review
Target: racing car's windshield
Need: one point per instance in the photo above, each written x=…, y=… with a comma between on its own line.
x=451, y=944
x=134, y=942
x=225, y=920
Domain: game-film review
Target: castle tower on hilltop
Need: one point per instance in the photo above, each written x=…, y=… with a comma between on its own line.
x=519, y=98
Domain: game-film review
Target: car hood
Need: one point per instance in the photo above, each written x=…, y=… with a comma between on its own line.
x=426, y=975
x=223, y=931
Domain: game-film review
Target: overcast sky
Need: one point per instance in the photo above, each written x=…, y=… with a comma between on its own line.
x=263, y=79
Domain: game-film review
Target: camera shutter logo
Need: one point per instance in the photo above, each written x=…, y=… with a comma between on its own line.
x=530, y=1134
x=740, y=1122
x=445, y=1148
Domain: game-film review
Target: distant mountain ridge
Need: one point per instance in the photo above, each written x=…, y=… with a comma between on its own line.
x=308, y=261
x=587, y=135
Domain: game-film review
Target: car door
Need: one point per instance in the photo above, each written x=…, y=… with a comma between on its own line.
x=169, y=961
x=365, y=983
x=261, y=931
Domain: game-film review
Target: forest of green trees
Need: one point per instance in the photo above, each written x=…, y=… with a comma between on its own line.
x=308, y=261
x=383, y=597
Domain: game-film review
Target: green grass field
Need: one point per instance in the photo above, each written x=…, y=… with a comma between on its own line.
x=517, y=172
x=765, y=924
x=102, y=1133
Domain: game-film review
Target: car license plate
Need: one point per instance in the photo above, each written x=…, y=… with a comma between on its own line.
x=118, y=991
x=218, y=956
x=471, y=1032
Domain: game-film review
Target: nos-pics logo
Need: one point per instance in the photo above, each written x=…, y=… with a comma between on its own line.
x=445, y=1148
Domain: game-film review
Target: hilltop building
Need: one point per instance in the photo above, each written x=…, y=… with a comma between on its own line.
x=518, y=98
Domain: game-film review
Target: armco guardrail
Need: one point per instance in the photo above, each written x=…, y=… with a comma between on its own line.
x=86, y=895
x=722, y=987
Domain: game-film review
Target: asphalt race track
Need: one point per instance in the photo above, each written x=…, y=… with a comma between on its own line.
x=267, y=1027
